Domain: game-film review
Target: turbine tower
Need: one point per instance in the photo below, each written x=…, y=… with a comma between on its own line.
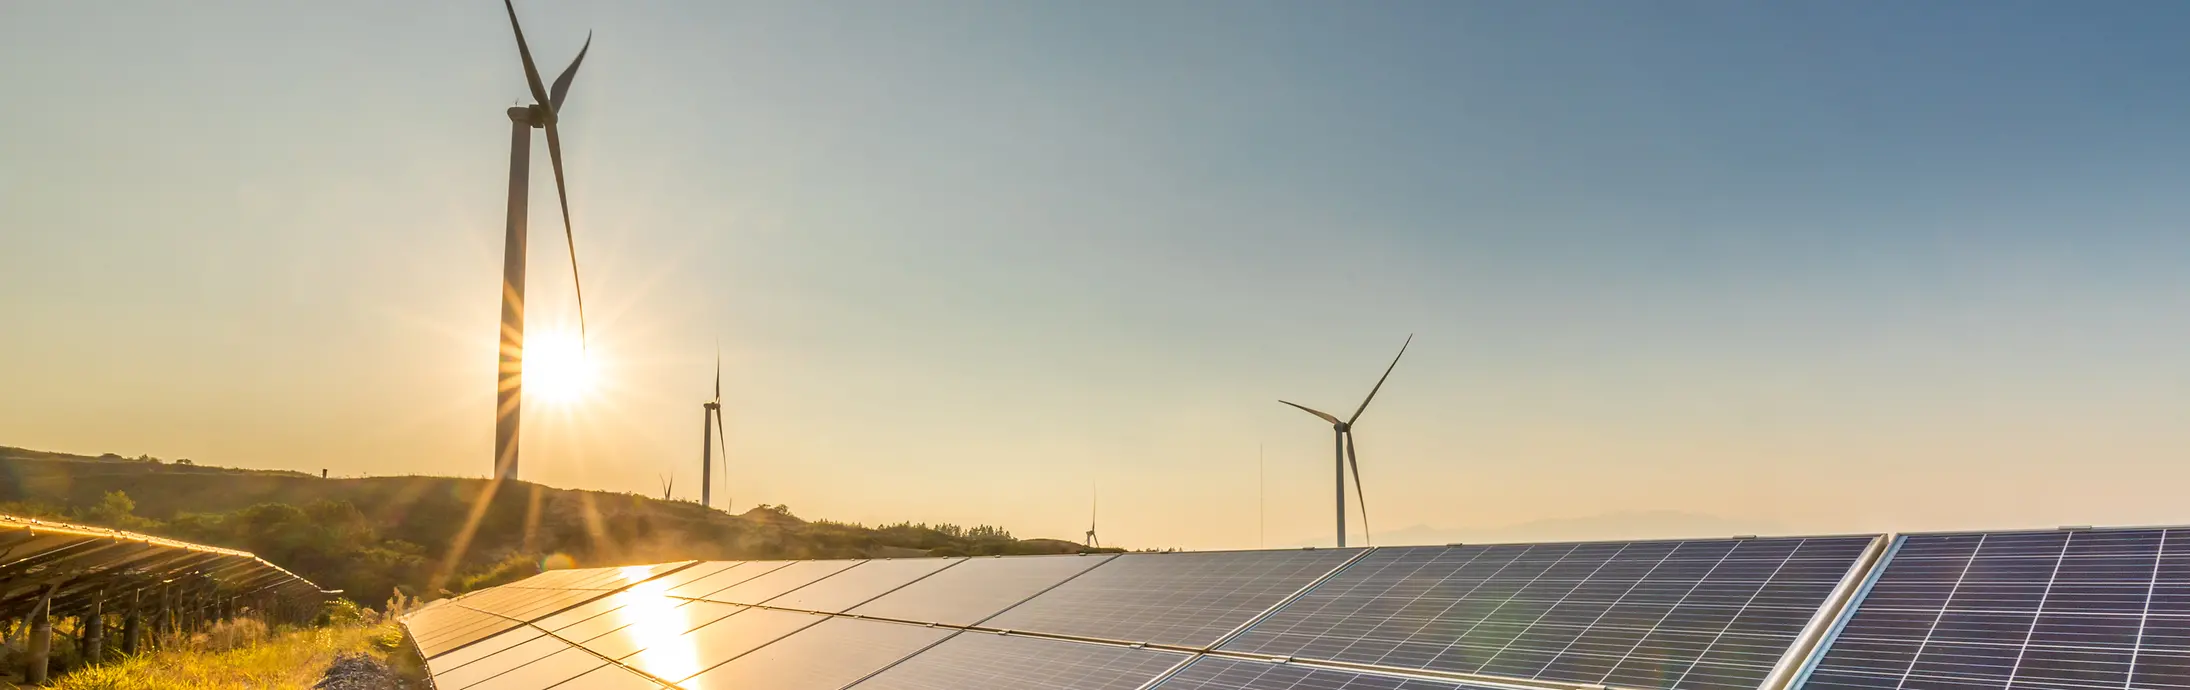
x=710, y=427
x=509, y=384
x=1342, y=442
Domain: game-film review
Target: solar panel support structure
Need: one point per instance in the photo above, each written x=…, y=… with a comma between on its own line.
x=1826, y=618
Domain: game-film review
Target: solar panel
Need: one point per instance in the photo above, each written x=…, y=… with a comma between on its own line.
x=865, y=581
x=653, y=627
x=1219, y=673
x=2063, y=610
x=1694, y=615
x=826, y=656
x=976, y=589
x=675, y=658
x=542, y=674
x=611, y=678
x=501, y=662
x=726, y=578
x=987, y=661
x=775, y=582
x=1183, y=599
x=479, y=650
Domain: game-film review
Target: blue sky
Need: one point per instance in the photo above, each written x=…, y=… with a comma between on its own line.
x=1798, y=264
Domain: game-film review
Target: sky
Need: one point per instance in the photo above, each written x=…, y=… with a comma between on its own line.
x=1802, y=267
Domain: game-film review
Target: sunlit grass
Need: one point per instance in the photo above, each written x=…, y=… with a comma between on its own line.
x=289, y=660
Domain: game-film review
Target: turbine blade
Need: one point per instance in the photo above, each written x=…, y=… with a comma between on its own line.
x=1379, y=381
x=1326, y=417
x=718, y=374
x=562, y=83
x=532, y=74
x=555, y=160
x=1359, y=497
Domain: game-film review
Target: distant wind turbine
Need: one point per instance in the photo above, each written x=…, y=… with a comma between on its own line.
x=541, y=114
x=1094, y=499
x=1343, y=445
x=669, y=485
x=711, y=427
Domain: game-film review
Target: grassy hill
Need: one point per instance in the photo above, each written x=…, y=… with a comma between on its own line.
x=368, y=535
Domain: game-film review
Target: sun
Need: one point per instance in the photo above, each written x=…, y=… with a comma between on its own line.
x=557, y=368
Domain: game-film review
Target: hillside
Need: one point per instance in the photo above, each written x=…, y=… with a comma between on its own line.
x=370, y=534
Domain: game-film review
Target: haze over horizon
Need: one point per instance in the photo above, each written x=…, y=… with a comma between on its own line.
x=1818, y=267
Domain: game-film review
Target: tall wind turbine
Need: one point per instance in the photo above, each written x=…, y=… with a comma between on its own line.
x=509, y=385
x=710, y=427
x=1343, y=445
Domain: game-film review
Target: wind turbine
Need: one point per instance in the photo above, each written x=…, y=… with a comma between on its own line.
x=1093, y=501
x=669, y=485
x=541, y=114
x=1343, y=444
x=710, y=427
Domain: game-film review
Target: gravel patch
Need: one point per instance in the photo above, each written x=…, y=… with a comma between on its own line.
x=358, y=672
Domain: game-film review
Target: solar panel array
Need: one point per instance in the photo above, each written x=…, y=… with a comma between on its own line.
x=2053, y=610
x=1704, y=615
x=1678, y=615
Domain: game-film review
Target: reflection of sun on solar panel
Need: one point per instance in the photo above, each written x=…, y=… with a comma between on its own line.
x=2056, y=610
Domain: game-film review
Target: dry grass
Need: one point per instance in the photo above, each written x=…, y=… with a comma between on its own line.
x=235, y=658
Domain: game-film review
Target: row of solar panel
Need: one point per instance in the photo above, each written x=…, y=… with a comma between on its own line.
x=1703, y=615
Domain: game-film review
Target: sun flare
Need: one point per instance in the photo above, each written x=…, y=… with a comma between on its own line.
x=557, y=367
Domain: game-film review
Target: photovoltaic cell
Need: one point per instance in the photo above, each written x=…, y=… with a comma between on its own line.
x=776, y=582
x=499, y=663
x=610, y=678
x=1183, y=599
x=1692, y=615
x=1219, y=673
x=976, y=589
x=2059, y=610
x=542, y=674
x=479, y=650
x=867, y=580
x=987, y=661
x=826, y=656
x=675, y=658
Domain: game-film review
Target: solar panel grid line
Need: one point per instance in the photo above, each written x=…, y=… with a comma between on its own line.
x=1166, y=614
x=1825, y=623
x=818, y=619
x=1306, y=674
x=747, y=577
x=2066, y=609
x=901, y=585
x=1676, y=605
x=900, y=660
x=1456, y=600
x=2051, y=578
x=1942, y=612
x=1474, y=679
x=543, y=615
x=2144, y=616
x=1051, y=663
x=1516, y=596
x=1487, y=661
x=1738, y=612
x=1616, y=601
x=810, y=583
x=1288, y=600
x=977, y=625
